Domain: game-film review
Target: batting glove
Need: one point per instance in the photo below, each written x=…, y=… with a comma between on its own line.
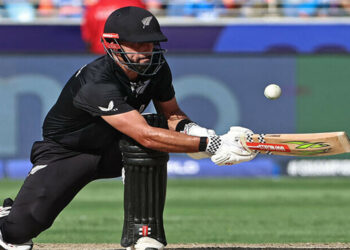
x=196, y=130
x=228, y=149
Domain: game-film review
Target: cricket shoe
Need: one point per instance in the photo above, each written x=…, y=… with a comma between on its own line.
x=4, y=212
x=7, y=246
x=5, y=209
x=146, y=243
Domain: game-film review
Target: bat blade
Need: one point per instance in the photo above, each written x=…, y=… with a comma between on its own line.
x=312, y=144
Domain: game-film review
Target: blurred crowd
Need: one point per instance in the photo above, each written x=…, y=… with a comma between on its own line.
x=27, y=10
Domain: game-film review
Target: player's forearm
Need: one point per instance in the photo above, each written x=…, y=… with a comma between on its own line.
x=135, y=126
x=171, y=111
x=173, y=117
x=169, y=141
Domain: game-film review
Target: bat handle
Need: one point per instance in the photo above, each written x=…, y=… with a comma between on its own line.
x=243, y=140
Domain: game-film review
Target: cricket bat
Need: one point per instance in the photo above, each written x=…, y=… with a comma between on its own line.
x=313, y=144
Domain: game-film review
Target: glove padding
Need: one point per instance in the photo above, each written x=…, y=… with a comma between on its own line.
x=196, y=130
x=231, y=150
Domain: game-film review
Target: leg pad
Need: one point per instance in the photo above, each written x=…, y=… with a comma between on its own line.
x=145, y=189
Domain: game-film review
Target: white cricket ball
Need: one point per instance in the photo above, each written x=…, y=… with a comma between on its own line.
x=272, y=91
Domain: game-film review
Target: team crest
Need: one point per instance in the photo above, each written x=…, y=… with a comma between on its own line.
x=146, y=21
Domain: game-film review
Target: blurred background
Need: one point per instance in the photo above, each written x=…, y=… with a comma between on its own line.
x=222, y=55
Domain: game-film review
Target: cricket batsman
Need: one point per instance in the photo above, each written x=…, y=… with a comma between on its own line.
x=82, y=138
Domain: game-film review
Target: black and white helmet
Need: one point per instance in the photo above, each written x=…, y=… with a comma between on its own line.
x=134, y=24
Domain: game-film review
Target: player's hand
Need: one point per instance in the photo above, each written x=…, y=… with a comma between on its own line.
x=196, y=130
x=228, y=149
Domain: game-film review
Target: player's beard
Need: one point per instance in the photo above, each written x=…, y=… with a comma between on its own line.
x=139, y=65
x=142, y=66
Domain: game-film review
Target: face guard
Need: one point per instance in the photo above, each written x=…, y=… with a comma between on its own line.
x=115, y=51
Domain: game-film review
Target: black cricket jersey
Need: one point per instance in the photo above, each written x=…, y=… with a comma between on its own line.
x=98, y=89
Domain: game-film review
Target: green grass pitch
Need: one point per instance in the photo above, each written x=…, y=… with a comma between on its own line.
x=278, y=210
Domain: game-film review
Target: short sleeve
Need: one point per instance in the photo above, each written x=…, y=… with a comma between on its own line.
x=164, y=88
x=101, y=99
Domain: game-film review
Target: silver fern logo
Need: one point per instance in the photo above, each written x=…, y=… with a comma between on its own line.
x=146, y=21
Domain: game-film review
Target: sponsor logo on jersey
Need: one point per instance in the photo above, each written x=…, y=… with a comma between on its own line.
x=37, y=168
x=146, y=21
x=109, y=108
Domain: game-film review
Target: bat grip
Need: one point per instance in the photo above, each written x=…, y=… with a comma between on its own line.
x=243, y=140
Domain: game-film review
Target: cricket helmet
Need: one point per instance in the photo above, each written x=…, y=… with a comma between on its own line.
x=134, y=24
